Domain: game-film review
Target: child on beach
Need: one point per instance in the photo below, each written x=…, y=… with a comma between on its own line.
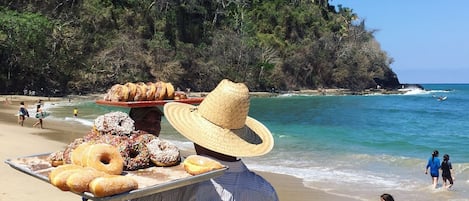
x=446, y=169
x=434, y=165
x=75, y=112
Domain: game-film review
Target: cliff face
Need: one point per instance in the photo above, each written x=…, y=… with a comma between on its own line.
x=63, y=47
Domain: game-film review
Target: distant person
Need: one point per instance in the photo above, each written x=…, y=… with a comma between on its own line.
x=22, y=114
x=446, y=169
x=386, y=197
x=39, y=116
x=434, y=165
x=75, y=112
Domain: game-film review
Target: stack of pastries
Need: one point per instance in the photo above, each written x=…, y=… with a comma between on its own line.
x=141, y=91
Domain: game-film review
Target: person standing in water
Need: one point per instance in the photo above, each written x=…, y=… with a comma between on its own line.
x=75, y=112
x=446, y=169
x=434, y=165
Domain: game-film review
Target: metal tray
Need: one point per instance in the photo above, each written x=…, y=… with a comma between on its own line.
x=135, y=104
x=151, y=180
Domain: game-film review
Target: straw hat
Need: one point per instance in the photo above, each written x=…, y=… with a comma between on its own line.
x=220, y=123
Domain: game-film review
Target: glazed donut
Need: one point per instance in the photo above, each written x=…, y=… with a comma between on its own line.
x=139, y=157
x=111, y=94
x=163, y=153
x=56, y=158
x=161, y=92
x=112, y=184
x=196, y=164
x=141, y=94
x=116, y=123
x=77, y=153
x=67, y=156
x=169, y=91
x=132, y=90
x=79, y=181
x=59, y=176
x=151, y=91
x=103, y=157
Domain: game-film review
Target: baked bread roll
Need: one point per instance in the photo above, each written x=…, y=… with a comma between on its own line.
x=112, y=184
x=196, y=164
x=60, y=179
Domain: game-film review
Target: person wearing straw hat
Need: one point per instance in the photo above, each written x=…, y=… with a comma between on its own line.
x=221, y=129
x=147, y=119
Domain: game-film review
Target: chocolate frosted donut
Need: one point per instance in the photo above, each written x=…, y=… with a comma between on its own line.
x=163, y=153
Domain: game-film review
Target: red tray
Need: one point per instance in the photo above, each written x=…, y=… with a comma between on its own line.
x=135, y=104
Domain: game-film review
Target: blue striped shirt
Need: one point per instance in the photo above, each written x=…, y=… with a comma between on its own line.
x=238, y=183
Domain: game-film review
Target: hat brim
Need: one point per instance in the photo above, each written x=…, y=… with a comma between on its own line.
x=254, y=139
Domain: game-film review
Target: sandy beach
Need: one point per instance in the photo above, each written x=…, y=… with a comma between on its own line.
x=17, y=141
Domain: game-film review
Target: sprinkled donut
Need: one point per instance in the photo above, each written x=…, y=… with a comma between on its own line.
x=163, y=153
x=116, y=123
x=139, y=157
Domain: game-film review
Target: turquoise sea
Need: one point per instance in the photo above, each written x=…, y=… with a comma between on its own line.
x=356, y=146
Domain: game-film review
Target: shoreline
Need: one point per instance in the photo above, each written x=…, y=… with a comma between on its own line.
x=51, y=138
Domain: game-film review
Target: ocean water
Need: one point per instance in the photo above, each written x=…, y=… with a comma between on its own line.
x=355, y=146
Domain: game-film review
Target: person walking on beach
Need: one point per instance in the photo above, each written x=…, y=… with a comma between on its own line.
x=75, y=112
x=446, y=169
x=220, y=129
x=22, y=114
x=39, y=116
x=386, y=197
x=434, y=165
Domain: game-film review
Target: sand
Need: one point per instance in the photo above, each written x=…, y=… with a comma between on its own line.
x=17, y=141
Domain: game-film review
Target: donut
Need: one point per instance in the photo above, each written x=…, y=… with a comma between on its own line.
x=196, y=164
x=112, y=93
x=139, y=157
x=163, y=153
x=161, y=92
x=132, y=90
x=59, y=176
x=79, y=181
x=56, y=158
x=169, y=91
x=116, y=123
x=70, y=147
x=141, y=94
x=103, y=157
x=77, y=153
x=151, y=91
x=112, y=184
x=62, y=168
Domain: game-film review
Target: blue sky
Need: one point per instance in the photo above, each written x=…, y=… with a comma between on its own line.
x=429, y=40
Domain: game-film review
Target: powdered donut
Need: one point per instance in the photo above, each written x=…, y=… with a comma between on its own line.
x=163, y=153
x=103, y=157
x=116, y=123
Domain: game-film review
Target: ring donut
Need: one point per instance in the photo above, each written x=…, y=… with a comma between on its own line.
x=116, y=123
x=103, y=157
x=163, y=153
x=138, y=155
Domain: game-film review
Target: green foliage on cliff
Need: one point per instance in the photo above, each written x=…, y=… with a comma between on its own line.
x=83, y=46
